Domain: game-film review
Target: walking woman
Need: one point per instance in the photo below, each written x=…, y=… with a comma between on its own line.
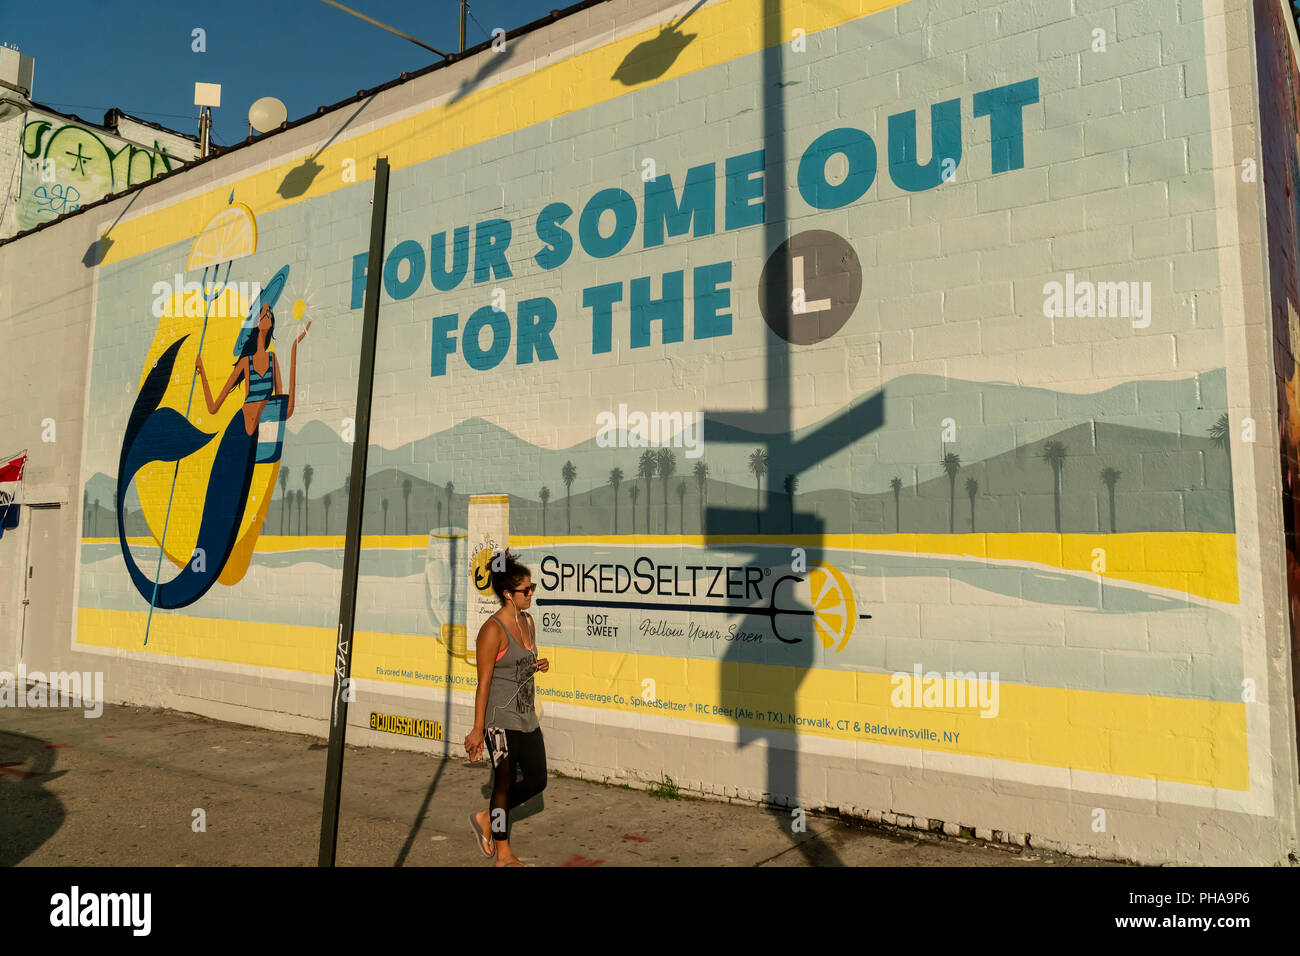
x=505, y=718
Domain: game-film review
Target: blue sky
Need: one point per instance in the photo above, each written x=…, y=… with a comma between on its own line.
x=136, y=54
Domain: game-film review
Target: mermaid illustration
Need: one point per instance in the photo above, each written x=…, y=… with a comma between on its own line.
x=257, y=367
x=253, y=436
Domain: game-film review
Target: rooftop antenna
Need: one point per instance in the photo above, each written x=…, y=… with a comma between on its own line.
x=206, y=96
x=384, y=26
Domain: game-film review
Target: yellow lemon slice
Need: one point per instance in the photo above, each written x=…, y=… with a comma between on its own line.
x=230, y=234
x=835, y=611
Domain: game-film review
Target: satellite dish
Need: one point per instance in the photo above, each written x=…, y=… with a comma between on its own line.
x=266, y=114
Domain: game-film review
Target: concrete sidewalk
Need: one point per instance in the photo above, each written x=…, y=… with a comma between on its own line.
x=122, y=790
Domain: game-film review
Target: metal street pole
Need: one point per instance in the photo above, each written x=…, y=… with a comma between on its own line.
x=329, y=821
x=464, y=5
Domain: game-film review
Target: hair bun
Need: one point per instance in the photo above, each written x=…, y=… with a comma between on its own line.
x=510, y=578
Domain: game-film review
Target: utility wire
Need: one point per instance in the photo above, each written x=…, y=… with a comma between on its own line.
x=130, y=112
x=384, y=26
x=470, y=11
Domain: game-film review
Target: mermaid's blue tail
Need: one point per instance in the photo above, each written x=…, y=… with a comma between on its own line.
x=163, y=434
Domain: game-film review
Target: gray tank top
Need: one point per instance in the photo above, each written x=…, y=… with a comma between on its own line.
x=510, y=695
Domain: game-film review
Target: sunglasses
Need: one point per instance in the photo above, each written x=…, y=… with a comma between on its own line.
x=525, y=591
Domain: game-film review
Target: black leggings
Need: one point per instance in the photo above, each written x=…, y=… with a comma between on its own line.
x=526, y=751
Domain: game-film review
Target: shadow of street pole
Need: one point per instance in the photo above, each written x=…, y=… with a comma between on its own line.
x=782, y=454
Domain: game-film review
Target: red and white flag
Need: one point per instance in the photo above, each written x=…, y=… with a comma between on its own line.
x=11, y=470
x=11, y=473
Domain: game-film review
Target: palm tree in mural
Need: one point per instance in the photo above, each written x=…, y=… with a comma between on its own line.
x=567, y=474
x=449, y=489
x=307, y=475
x=702, y=482
x=972, y=489
x=406, y=505
x=681, y=506
x=633, y=492
x=952, y=465
x=284, y=490
x=1110, y=478
x=439, y=506
x=326, y=502
x=384, y=504
x=302, y=499
x=1222, y=437
x=1054, y=455
x=758, y=466
x=646, y=467
x=616, y=479
x=896, y=484
x=544, y=496
x=791, y=486
x=85, y=509
x=667, y=468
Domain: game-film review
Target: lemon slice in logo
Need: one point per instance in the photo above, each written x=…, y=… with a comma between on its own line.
x=230, y=234
x=835, y=611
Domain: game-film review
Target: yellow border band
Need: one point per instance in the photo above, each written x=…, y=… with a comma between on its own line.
x=722, y=33
x=1179, y=740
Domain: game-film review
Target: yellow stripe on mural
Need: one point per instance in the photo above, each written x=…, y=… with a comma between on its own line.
x=1196, y=742
x=275, y=543
x=1198, y=563
x=723, y=32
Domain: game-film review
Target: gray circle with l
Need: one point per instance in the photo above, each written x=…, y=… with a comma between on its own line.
x=810, y=286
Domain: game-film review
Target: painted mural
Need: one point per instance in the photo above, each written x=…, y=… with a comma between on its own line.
x=66, y=166
x=230, y=470
x=1279, y=85
x=823, y=427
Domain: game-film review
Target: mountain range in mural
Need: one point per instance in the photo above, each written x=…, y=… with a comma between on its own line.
x=1094, y=476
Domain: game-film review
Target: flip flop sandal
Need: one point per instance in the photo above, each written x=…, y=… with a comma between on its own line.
x=486, y=844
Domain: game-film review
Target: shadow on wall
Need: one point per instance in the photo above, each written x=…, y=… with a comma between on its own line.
x=299, y=179
x=490, y=64
x=781, y=454
x=29, y=814
x=653, y=58
x=98, y=249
